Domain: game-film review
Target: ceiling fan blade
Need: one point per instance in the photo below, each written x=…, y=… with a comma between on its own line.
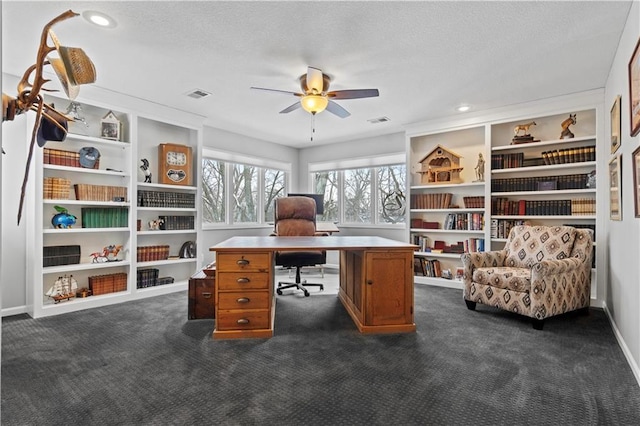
x=286, y=92
x=336, y=109
x=315, y=82
x=290, y=108
x=354, y=94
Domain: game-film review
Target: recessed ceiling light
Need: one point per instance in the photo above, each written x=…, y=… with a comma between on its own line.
x=463, y=108
x=99, y=18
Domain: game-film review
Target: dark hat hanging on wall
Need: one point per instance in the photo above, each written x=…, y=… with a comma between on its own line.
x=88, y=156
x=49, y=131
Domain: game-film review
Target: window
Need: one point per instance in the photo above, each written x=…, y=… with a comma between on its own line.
x=370, y=195
x=239, y=193
x=213, y=191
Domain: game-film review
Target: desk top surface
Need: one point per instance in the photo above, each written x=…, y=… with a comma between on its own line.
x=305, y=243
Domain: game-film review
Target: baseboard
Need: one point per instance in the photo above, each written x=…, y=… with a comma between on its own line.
x=16, y=310
x=623, y=345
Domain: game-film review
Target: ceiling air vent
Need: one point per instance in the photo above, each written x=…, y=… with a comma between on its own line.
x=378, y=120
x=198, y=94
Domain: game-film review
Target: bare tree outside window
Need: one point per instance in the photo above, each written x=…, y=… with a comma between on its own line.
x=213, y=191
x=327, y=183
x=391, y=193
x=274, y=186
x=245, y=194
x=357, y=196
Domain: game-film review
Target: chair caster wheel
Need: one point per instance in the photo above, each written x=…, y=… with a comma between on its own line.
x=279, y=292
x=306, y=294
x=321, y=288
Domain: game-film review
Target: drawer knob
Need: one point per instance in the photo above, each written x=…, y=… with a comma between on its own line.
x=243, y=321
x=243, y=300
x=242, y=262
x=243, y=280
x=206, y=295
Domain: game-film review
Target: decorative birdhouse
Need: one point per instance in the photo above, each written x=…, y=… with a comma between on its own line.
x=111, y=127
x=440, y=166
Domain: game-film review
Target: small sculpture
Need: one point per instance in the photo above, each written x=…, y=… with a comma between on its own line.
x=144, y=166
x=63, y=219
x=154, y=225
x=480, y=168
x=566, y=133
x=108, y=254
x=524, y=128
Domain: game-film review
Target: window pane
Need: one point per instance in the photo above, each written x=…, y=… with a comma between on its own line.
x=213, y=206
x=245, y=193
x=274, y=184
x=391, y=193
x=327, y=183
x=357, y=196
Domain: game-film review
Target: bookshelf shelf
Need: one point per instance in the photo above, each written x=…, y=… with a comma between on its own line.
x=167, y=209
x=83, y=267
x=88, y=203
x=551, y=167
x=168, y=232
x=452, y=210
x=543, y=144
x=82, y=230
x=165, y=262
x=447, y=231
x=84, y=170
x=545, y=193
x=167, y=187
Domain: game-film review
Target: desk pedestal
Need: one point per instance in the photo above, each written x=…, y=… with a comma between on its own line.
x=376, y=288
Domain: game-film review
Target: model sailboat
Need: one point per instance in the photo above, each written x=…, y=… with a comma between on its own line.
x=64, y=288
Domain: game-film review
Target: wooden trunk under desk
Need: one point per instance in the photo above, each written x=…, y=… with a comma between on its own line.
x=376, y=283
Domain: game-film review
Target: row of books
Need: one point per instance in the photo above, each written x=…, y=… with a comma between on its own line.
x=570, y=155
x=86, y=192
x=500, y=228
x=105, y=217
x=556, y=156
x=166, y=199
x=110, y=283
x=473, y=202
x=573, y=181
x=469, y=245
x=149, y=278
x=464, y=221
x=151, y=253
x=172, y=223
x=59, y=157
x=426, y=267
x=54, y=188
x=505, y=207
x=431, y=201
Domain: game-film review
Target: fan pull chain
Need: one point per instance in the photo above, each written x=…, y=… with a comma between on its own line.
x=313, y=125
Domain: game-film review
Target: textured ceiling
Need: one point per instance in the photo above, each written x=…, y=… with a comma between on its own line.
x=424, y=57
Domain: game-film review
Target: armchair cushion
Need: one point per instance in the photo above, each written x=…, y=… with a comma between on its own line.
x=516, y=279
x=529, y=245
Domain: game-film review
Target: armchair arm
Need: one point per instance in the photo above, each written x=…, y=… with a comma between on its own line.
x=559, y=286
x=485, y=259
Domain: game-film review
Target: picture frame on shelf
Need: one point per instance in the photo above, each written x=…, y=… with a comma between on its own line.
x=110, y=127
x=615, y=125
x=615, y=188
x=634, y=90
x=636, y=180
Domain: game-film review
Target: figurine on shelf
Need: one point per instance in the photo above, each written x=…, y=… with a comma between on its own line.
x=63, y=219
x=518, y=138
x=154, y=225
x=144, y=166
x=480, y=168
x=108, y=254
x=566, y=132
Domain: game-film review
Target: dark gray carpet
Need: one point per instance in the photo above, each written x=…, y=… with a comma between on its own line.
x=143, y=363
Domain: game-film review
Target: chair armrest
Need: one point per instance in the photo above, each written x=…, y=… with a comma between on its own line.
x=556, y=267
x=482, y=259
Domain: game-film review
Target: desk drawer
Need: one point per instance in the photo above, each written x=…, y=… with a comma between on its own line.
x=242, y=280
x=259, y=262
x=243, y=320
x=244, y=300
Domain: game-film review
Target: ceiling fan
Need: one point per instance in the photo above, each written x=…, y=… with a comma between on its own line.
x=315, y=96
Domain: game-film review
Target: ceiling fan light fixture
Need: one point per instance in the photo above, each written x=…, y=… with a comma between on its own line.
x=314, y=103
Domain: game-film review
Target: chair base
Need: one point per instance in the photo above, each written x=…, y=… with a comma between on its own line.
x=299, y=284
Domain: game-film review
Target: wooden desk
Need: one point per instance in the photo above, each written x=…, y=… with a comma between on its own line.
x=376, y=283
x=328, y=227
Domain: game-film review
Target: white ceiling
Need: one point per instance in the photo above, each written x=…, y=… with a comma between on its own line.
x=424, y=57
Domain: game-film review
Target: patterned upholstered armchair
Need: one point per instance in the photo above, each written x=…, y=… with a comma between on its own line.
x=541, y=272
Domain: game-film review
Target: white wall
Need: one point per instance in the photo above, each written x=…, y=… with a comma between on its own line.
x=623, y=289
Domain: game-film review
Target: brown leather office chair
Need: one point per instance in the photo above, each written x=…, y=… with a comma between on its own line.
x=296, y=217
